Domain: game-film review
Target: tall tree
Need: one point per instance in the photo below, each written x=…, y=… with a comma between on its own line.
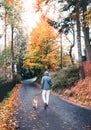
x=43, y=50
x=81, y=73
x=13, y=19
x=21, y=39
x=86, y=22
x=73, y=5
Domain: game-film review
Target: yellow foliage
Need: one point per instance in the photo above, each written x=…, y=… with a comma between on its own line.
x=43, y=48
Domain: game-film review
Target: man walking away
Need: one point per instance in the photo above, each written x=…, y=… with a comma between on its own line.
x=46, y=83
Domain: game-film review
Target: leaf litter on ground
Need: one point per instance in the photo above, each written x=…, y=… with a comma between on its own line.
x=7, y=108
x=80, y=93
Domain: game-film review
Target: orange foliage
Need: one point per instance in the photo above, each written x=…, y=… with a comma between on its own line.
x=7, y=107
x=87, y=68
x=81, y=92
x=43, y=48
x=38, y=4
x=10, y=2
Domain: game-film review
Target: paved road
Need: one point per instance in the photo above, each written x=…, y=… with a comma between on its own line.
x=60, y=115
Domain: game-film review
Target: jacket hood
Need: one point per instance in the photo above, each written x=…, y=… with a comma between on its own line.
x=46, y=73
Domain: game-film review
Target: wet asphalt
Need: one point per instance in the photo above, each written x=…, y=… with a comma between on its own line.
x=60, y=114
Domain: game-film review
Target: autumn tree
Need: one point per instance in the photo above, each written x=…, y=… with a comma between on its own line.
x=80, y=15
x=43, y=48
x=86, y=26
x=20, y=42
x=62, y=25
x=12, y=18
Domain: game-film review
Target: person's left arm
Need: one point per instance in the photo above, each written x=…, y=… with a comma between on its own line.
x=42, y=83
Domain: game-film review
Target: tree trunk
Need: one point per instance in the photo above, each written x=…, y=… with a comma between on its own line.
x=86, y=32
x=81, y=72
x=5, y=32
x=61, y=53
x=12, y=54
x=87, y=44
x=72, y=45
x=5, y=43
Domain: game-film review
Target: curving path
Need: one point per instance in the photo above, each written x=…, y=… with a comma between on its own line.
x=60, y=115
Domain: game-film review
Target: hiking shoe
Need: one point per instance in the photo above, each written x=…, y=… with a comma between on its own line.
x=45, y=106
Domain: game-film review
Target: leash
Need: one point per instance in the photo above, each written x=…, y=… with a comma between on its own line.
x=38, y=93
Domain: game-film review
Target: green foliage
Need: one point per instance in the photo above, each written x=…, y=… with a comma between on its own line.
x=9, y=93
x=64, y=78
x=1, y=59
x=17, y=78
x=5, y=89
x=20, y=42
x=69, y=94
x=2, y=79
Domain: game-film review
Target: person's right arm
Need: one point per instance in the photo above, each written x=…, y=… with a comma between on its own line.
x=50, y=82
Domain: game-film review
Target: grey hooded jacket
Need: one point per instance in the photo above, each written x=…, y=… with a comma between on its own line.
x=46, y=81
